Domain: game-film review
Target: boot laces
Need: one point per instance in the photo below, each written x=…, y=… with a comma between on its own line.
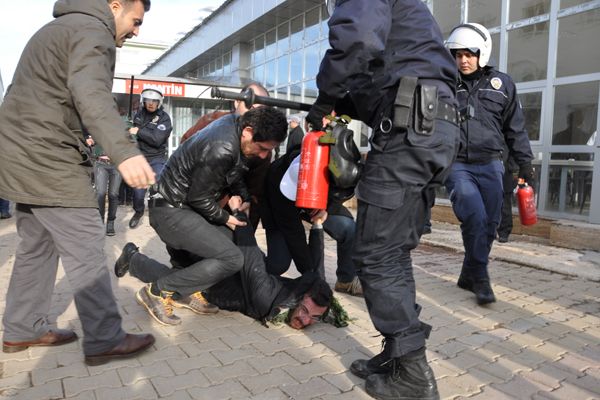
x=198, y=296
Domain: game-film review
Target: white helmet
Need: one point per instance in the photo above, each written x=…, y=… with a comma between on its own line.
x=152, y=94
x=473, y=37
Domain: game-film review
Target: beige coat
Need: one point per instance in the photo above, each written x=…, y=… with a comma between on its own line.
x=63, y=81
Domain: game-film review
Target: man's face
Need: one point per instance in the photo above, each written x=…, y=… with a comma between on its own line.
x=466, y=61
x=151, y=105
x=251, y=149
x=306, y=313
x=127, y=20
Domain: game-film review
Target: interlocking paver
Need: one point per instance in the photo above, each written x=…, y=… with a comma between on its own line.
x=541, y=340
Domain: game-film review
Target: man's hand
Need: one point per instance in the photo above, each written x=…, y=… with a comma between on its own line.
x=232, y=222
x=318, y=216
x=137, y=173
x=134, y=130
x=89, y=141
x=245, y=207
x=527, y=172
x=234, y=203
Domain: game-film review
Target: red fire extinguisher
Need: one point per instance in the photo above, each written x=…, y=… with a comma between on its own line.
x=313, y=179
x=526, y=202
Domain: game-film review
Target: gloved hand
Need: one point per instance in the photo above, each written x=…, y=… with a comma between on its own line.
x=527, y=172
x=322, y=107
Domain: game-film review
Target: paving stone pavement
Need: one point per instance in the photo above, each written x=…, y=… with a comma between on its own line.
x=540, y=340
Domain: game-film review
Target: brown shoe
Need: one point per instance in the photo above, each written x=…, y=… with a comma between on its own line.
x=130, y=346
x=159, y=307
x=197, y=303
x=54, y=337
x=353, y=287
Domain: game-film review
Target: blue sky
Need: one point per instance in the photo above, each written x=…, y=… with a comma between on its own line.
x=167, y=21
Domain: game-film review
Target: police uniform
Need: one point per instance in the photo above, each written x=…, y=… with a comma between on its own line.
x=387, y=60
x=492, y=118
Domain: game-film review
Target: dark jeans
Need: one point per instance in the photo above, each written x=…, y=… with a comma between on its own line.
x=476, y=195
x=340, y=228
x=107, y=178
x=506, y=221
x=185, y=230
x=393, y=193
x=4, y=206
x=157, y=165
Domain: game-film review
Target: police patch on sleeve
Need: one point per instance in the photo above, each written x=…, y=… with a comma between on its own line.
x=161, y=127
x=496, y=83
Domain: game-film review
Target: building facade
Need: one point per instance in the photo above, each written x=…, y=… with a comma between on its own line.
x=549, y=47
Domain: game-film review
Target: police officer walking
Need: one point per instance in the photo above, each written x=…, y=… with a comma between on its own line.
x=388, y=67
x=491, y=118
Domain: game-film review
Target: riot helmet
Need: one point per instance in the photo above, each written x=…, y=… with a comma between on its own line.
x=473, y=37
x=152, y=94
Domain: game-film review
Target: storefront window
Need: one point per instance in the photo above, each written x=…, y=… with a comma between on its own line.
x=447, y=15
x=523, y=9
x=259, y=50
x=571, y=3
x=312, y=30
x=578, y=51
x=532, y=110
x=575, y=114
x=271, y=73
x=485, y=12
x=528, y=52
x=296, y=33
x=283, y=38
x=271, y=45
x=570, y=186
x=283, y=70
x=495, y=57
x=258, y=73
x=312, y=61
x=296, y=66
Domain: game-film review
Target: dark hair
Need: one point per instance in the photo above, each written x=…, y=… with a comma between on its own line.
x=267, y=123
x=127, y=3
x=253, y=83
x=320, y=293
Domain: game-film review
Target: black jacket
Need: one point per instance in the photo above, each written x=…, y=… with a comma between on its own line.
x=497, y=119
x=295, y=138
x=253, y=291
x=204, y=168
x=375, y=43
x=154, y=131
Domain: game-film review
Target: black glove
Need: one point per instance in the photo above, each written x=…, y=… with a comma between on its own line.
x=527, y=173
x=322, y=107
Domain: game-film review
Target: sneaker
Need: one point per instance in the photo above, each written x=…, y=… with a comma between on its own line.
x=197, y=303
x=353, y=287
x=110, y=228
x=159, y=307
x=135, y=220
x=122, y=263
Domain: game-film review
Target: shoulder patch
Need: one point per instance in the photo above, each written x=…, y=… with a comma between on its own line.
x=496, y=83
x=161, y=127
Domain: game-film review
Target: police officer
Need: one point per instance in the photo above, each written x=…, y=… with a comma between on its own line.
x=491, y=118
x=152, y=128
x=388, y=67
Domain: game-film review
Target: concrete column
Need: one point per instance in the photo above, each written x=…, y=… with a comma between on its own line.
x=240, y=61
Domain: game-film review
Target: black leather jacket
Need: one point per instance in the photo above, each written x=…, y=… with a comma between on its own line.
x=206, y=167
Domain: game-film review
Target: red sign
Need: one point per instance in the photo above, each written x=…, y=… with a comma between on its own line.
x=168, y=89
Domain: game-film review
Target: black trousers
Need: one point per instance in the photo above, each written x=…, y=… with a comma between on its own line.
x=506, y=222
x=184, y=231
x=395, y=190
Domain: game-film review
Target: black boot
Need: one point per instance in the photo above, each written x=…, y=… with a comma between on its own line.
x=465, y=282
x=410, y=377
x=483, y=292
x=380, y=364
x=135, y=220
x=122, y=263
x=110, y=228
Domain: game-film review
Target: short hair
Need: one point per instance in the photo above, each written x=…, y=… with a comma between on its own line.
x=127, y=3
x=321, y=293
x=267, y=123
x=254, y=83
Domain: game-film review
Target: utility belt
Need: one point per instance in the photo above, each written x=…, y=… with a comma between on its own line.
x=418, y=106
